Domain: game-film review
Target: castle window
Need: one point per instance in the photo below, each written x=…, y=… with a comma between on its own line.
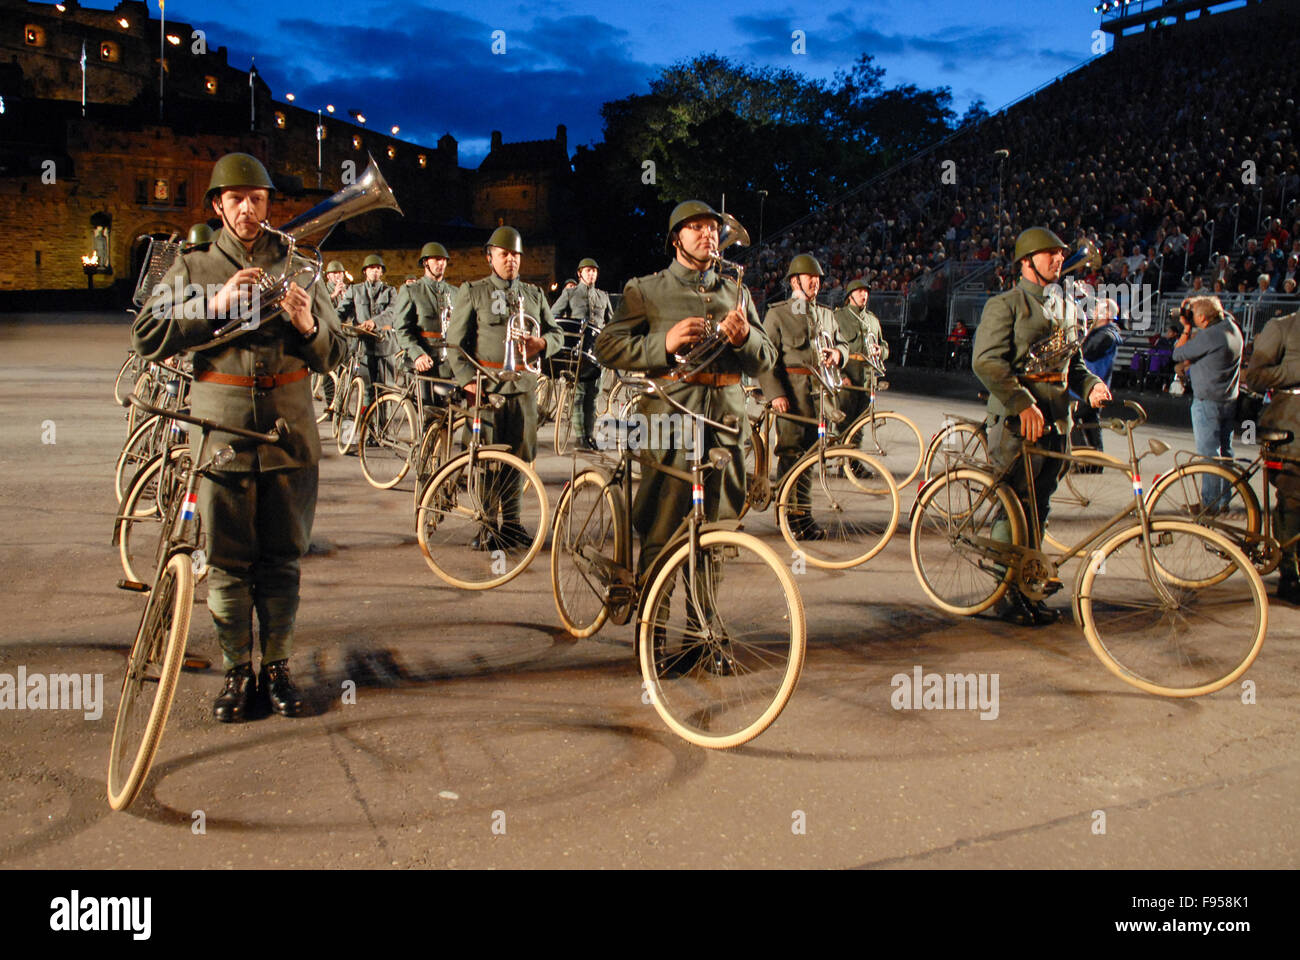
x=210, y=84
x=279, y=120
x=33, y=35
x=141, y=191
x=109, y=52
x=180, y=195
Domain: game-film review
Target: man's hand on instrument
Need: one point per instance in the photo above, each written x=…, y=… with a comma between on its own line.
x=423, y=363
x=1032, y=423
x=831, y=357
x=735, y=327
x=533, y=346
x=241, y=284
x=1099, y=395
x=368, y=326
x=686, y=333
x=781, y=404
x=297, y=306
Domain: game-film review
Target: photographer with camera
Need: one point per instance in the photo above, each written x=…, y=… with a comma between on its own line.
x=1213, y=352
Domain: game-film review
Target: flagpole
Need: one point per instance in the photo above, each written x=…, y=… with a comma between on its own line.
x=252, y=97
x=83, y=78
x=162, y=52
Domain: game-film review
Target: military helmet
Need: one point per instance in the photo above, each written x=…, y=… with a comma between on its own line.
x=335, y=266
x=804, y=263
x=683, y=212
x=858, y=284
x=374, y=260
x=507, y=238
x=1034, y=240
x=588, y=262
x=200, y=233
x=237, y=170
x=433, y=250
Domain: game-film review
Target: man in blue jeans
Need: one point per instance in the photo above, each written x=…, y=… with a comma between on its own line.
x=1214, y=352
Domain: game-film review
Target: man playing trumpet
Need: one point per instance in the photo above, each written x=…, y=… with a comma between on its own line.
x=862, y=335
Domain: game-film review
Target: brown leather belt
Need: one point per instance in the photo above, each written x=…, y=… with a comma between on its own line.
x=705, y=379
x=268, y=381
x=862, y=357
x=491, y=366
x=1043, y=377
x=802, y=371
x=430, y=335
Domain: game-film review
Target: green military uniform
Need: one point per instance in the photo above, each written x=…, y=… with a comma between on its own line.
x=585, y=303
x=1275, y=365
x=635, y=340
x=417, y=318
x=855, y=325
x=478, y=325
x=793, y=326
x=257, y=511
x=1011, y=323
x=372, y=300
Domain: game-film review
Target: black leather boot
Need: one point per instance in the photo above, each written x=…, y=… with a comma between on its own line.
x=236, y=698
x=279, y=690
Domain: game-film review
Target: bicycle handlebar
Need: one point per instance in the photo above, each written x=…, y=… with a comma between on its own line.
x=277, y=433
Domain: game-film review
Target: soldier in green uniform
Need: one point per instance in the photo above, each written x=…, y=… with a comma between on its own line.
x=478, y=326
x=792, y=385
x=669, y=312
x=199, y=235
x=585, y=303
x=1275, y=365
x=336, y=285
x=257, y=511
x=860, y=330
x=422, y=310
x=370, y=305
x=1026, y=405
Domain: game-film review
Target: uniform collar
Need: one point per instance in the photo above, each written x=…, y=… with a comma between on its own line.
x=265, y=247
x=500, y=284
x=1032, y=289
x=695, y=278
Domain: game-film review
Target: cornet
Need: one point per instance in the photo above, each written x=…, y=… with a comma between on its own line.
x=519, y=327
x=713, y=343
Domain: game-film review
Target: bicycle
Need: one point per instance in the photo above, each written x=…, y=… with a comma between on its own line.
x=350, y=402
x=152, y=434
x=1157, y=599
x=718, y=666
x=851, y=508
x=158, y=651
x=394, y=427
x=127, y=374
x=1080, y=496
x=885, y=435
x=463, y=523
x=1238, y=512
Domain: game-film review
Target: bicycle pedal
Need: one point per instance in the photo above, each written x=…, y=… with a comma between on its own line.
x=134, y=586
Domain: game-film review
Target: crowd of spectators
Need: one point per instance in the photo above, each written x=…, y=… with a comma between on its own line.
x=1175, y=154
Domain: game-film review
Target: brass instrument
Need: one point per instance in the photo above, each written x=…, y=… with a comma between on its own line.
x=872, y=344
x=519, y=327
x=369, y=192
x=827, y=372
x=444, y=321
x=713, y=343
x=1048, y=354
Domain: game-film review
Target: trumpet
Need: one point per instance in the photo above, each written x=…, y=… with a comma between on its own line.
x=713, y=343
x=519, y=327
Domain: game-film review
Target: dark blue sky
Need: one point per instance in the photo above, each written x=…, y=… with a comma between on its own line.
x=431, y=70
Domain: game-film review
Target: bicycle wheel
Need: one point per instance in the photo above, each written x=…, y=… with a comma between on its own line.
x=586, y=546
x=329, y=390
x=758, y=478
x=720, y=661
x=1159, y=629
x=152, y=670
x=349, y=415
x=845, y=512
x=387, y=440
x=1092, y=489
x=564, y=419
x=464, y=525
x=145, y=442
x=545, y=399
x=145, y=512
x=126, y=376
x=146, y=388
x=890, y=439
x=1178, y=495
x=956, y=443
x=435, y=449
x=952, y=526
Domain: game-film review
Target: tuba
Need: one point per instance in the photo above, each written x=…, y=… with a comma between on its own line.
x=368, y=193
x=713, y=343
x=519, y=327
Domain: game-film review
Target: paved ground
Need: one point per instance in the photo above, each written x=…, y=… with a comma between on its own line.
x=514, y=725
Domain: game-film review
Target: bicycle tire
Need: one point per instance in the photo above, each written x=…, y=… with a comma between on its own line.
x=564, y=419
x=721, y=685
x=589, y=523
x=854, y=501
x=142, y=523
x=159, y=641
x=951, y=514
x=1154, y=644
x=955, y=443
x=349, y=415
x=892, y=440
x=387, y=440
x=140, y=447
x=451, y=518
x=127, y=373
x=1177, y=496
